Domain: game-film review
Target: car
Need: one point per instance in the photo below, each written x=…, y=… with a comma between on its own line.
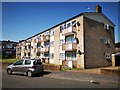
x=27, y=67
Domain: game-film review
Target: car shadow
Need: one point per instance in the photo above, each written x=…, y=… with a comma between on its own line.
x=42, y=74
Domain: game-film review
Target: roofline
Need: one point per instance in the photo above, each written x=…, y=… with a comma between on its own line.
x=108, y=19
x=66, y=21
x=54, y=26
x=102, y=15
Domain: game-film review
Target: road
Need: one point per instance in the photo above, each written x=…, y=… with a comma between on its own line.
x=46, y=81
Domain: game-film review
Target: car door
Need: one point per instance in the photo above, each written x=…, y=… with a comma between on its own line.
x=26, y=66
x=17, y=67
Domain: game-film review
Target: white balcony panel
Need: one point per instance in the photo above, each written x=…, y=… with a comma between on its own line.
x=51, y=49
x=61, y=51
x=69, y=29
x=32, y=44
x=51, y=38
x=70, y=46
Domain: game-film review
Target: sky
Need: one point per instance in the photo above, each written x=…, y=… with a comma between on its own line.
x=21, y=20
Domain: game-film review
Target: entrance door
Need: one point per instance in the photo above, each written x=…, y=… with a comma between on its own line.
x=70, y=64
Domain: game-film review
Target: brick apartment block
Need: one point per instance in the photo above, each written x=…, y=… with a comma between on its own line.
x=83, y=41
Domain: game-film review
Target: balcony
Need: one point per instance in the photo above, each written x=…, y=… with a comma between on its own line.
x=38, y=49
x=69, y=47
x=38, y=40
x=18, y=52
x=46, y=38
x=28, y=50
x=69, y=31
x=45, y=49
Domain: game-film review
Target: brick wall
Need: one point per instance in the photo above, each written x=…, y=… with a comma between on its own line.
x=95, y=49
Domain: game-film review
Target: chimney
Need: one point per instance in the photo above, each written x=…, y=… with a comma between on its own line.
x=98, y=9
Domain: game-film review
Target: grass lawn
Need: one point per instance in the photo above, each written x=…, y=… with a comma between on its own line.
x=11, y=60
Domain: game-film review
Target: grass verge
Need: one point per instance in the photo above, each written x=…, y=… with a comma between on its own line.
x=65, y=69
x=10, y=60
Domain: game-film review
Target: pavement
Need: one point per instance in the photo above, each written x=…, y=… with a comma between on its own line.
x=91, y=75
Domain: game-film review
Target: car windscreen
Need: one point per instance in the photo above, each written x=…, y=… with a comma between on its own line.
x=37, y=62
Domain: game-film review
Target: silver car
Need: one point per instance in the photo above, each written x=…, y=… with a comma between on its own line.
x=27, y=67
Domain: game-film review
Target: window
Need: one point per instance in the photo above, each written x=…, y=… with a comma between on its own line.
x=27, y=62
x=47, y=33
x=25, y=47
x=38, y=53
x=64, y=27
x=39, y=37
x=52, y=32
x=62, y=41
x=74, y=23
x=29, y=47
x=46, y=44
x=106, y=41
x=52, y=44
x=61, y=28
x=62, y=55
x=51, y=55
x=68, y=25
x=108, y=56
x=38, y=45
x=46, y=55
x=24, y=54
x=70, y=39
x=29, y=54
x=9, y=46
x=20, y=62
x=106, y=26
x=71, y=55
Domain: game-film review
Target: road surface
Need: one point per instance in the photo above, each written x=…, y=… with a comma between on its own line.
x=46, y=81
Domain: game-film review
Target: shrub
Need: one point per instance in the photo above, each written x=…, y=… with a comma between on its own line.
x=51, y=67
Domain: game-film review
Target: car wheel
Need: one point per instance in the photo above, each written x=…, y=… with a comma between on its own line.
x=29, y=73
x=9, y=71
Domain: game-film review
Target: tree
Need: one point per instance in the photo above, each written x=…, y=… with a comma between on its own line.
x=117, y=44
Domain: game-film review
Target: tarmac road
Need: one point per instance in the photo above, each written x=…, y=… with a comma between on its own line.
x=46, y=81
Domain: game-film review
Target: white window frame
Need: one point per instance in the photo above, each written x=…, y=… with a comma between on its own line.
x=106, y=26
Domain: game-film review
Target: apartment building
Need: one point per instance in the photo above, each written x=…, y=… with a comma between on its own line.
x=83, y=41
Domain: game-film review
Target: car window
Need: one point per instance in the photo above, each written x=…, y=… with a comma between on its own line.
x=20, y=62
x=37, y=62
x=27, y=62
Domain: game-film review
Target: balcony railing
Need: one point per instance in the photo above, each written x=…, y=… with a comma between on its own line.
x=69, y=47
x=68, y=31
x=38, y=40
x=27, y=50
x=38, y=49
x=45, y=49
